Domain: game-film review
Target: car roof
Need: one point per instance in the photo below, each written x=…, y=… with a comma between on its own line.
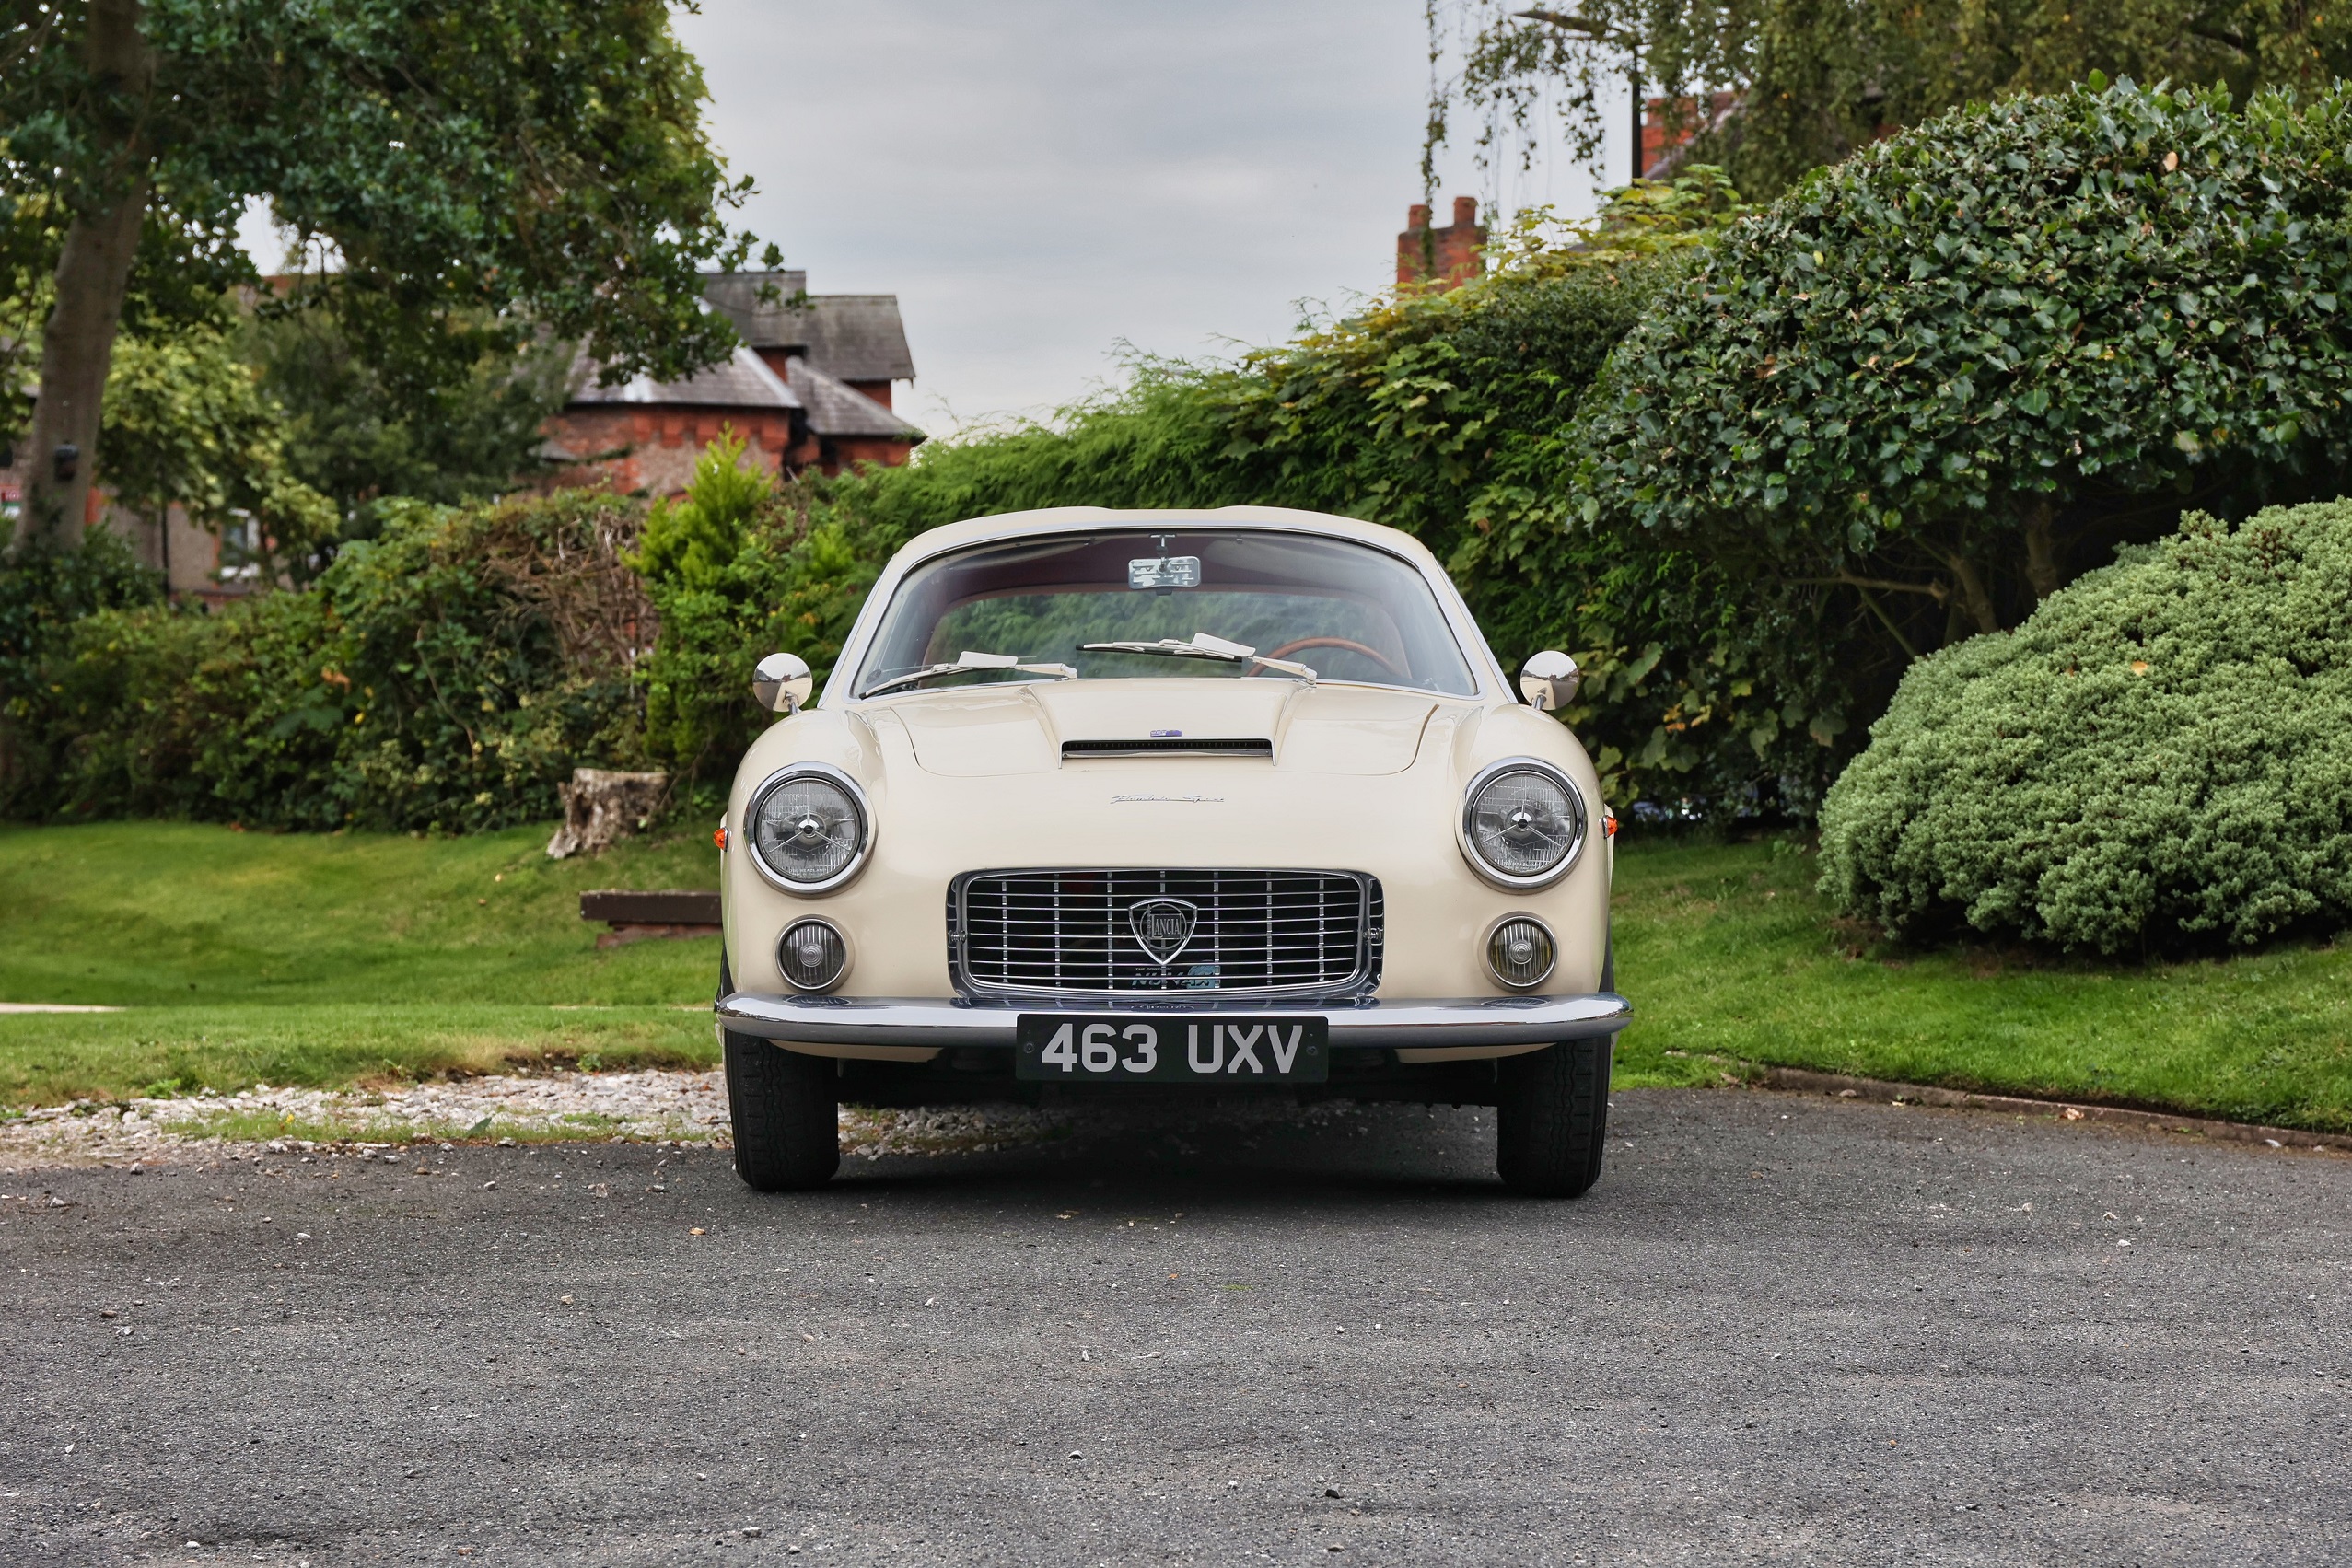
x=1079, y=519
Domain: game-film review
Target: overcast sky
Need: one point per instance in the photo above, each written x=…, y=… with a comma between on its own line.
x=1039, y=181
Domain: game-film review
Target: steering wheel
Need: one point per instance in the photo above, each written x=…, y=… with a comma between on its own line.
x=1347, y=643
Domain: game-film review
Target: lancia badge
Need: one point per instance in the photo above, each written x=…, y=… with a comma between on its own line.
x=1162, y=927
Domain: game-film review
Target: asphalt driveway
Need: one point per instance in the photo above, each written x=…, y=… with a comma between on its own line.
x=1780, y=1329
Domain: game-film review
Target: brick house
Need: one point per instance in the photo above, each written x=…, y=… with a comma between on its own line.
x=1664, y=147
x=810, y=388
x=186, y=553
x=1440, y=258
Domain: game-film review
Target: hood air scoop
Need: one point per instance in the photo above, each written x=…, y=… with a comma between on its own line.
x=1169, y=746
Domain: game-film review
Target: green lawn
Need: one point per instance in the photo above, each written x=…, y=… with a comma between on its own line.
x=1727, y=954
x=293, y=959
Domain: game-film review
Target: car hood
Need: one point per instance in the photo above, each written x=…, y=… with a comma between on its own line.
x=991, y=731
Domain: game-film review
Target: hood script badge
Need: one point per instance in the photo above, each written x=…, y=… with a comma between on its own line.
x=1162, y=927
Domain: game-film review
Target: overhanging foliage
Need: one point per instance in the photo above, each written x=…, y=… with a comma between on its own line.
x=1948, y=375
x=525, y=164
x=1815, y=82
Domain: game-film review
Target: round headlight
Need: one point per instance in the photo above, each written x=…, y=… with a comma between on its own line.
x=812, y=955
x=1522, y=823
x=1519, y=952
x=809, y=828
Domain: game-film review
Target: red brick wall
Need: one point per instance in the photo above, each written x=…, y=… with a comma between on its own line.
x=657, y=446
x=849, y=451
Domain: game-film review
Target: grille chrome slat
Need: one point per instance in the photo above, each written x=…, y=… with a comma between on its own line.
x=1256, y=932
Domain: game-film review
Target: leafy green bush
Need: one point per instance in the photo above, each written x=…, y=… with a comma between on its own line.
x=736, y=571
x=2162, y=751
x=43, y=592
x=463, y=425
x=445, y=676
x=1931, y=384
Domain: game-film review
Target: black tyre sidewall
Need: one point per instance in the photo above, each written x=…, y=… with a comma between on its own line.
x=1552, y=1118
x=785, y=1108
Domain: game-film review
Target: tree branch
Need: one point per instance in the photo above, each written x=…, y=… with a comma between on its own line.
x=1938, y=591
x=1888, y=621
x=1975, y=596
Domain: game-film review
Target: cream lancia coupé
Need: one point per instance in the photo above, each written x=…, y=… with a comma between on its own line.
x=1133, y=804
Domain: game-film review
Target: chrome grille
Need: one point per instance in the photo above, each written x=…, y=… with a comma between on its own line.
x=1254, y=931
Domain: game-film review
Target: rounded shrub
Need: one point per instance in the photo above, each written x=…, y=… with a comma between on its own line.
x=2163, y=753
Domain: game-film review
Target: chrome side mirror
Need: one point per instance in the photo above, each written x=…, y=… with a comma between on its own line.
x=782, y=683
x=1548, y=680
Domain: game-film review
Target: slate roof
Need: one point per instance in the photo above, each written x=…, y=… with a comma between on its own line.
x=837, y=409
x=855, y=337
x=742, y=380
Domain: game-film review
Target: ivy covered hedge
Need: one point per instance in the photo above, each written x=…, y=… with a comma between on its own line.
x=1444, y=415
x=1748, y=469
x=445, y=676
x=2163, y=752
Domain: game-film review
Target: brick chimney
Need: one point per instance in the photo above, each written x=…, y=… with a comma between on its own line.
x=1440, y=258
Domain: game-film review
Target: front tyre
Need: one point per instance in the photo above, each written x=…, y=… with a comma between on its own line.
x=1552, y=1118
x=785, y=1107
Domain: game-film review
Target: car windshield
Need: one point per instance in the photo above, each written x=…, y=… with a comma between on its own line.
x=1346, y=611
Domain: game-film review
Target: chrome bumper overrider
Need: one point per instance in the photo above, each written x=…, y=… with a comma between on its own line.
x=948, y=1021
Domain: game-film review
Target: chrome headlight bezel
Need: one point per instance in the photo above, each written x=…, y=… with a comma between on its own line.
x=841, y=943
x=1579, y=816
x=839, y=779
x=1496, y=927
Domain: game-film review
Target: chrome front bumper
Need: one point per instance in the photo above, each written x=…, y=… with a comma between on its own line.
x=932, y=1022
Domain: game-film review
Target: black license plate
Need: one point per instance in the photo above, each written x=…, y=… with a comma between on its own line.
x=1113, y=1048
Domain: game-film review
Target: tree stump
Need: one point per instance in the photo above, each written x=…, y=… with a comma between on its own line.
x=600, y=805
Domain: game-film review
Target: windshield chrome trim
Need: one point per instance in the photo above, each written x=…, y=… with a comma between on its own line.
x=1485, y=672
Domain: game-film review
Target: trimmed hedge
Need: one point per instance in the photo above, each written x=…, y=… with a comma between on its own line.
x=2163, y=753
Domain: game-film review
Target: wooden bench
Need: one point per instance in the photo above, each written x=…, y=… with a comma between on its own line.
x=665, y=912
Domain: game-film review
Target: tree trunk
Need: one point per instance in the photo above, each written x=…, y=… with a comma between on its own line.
x=1973, y=595
x=600, y=805
x=2041, y=549
x=93, y=273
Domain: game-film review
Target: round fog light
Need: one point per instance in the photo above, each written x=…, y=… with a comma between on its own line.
x=812, y=955
x=1520, y=953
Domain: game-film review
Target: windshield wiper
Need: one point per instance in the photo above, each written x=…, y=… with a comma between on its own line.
x=1203, y=645
x=967, y=661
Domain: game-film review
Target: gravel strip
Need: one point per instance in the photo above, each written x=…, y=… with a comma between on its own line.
x=666, y=1106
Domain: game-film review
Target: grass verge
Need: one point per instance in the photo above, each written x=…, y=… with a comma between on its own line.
x=297, y=960
x=305, y=959
x=1730, y=957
